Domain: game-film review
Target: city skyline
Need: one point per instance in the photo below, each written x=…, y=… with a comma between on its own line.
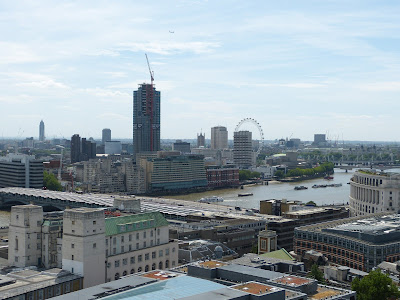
x=297, y=68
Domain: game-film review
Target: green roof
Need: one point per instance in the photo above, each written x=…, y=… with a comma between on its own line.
x=278, y=254
x=129, y=223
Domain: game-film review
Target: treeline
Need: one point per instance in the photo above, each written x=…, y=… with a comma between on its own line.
x=320, y=170
x=247, y=174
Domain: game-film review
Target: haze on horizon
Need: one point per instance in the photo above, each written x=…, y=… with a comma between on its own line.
x=298, y=68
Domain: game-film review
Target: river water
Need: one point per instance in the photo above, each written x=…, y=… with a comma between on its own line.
x=321, y=196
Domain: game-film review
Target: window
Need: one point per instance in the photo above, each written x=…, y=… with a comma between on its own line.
x=16, y=259
x=147, y=256
x=160, y=253
x=16, y=243
x=39, y=223
x=151, y=233
x=72, y=257
x=122, y=249
x=146, y=268
x=38, y=246
x=73, y=222
x=144, y=234
x=130, y=237
x=116, y=276
x=94, y=245
x=160, y=265
x=114, y=250
x=125, y=273
x=140, y=258
x=166, y=264
x=158, y=241
x=158, y=231
x=106, y=252
x=29, y=236
x=38, y=236
x=153, y=254
x=167, y=251
x=72, y=246
x=29, y=258
x=29, y=246
x=116, y=263
x=122, y=239
x=125, y=261
x=130, y=247
x=137, y=246
x=132, y=271
x=94, y=222
x=151, y=243
x=139, y=269
x=153, y=266
x=144, y=244
x=132, y=260
x=114, y=240
x=173, y=249
x=137, y=235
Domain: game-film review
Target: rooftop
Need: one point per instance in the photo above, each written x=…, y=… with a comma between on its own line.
x=292, y=280
x=256, y=288
x=160, y=275
x=211, y=264
x=134, y=222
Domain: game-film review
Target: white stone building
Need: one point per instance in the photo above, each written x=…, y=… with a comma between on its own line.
x=97, y=247
x=373, y=192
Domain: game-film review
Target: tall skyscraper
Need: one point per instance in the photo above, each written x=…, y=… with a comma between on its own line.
x=146, y=119
x=219, y=137
x=242, y=149
x=106, y=135
x=75, y=148
x=201, y=140
x=41, y=131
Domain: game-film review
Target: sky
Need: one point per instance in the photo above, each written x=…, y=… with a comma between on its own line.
x=297, y=67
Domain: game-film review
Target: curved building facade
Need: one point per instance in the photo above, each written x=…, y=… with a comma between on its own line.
x=373, y=192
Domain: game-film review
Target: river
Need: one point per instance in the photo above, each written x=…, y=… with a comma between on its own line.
x=321, y=196
x=277, y=190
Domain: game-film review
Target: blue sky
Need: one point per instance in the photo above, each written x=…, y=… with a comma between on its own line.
x=297, y=67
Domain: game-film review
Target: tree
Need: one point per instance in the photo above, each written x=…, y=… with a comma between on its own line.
x=375, y=285
x=279, y=174
x=317, y=274
x=50, y=182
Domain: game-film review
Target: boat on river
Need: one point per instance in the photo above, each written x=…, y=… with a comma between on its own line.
x=211, y=199
x=301, y=187
x=245, y=194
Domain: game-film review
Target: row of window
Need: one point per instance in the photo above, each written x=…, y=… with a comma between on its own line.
x=132, y=259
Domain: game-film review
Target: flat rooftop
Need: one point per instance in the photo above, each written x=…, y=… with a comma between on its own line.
x=160, y=275
x=256, y=288
x=212, y=264
x=292, y=280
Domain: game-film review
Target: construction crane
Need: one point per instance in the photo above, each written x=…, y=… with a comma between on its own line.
x=149, y=105
x=151, y=72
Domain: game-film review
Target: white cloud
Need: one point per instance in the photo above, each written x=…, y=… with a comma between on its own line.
x=388, y=86
x=168, y=47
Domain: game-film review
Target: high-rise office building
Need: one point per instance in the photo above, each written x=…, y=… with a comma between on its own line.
x=146, y=119
x=75, y=148
x=201, y=140
x=82, y=150
x=219, y=137
x=41, y=131
x=242, y=149
x=106, y=135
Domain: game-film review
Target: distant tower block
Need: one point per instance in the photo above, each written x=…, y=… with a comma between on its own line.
x=219, y=138
x=130, y=204
x=41, y=131
x=201, y=140
x=106, y=135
